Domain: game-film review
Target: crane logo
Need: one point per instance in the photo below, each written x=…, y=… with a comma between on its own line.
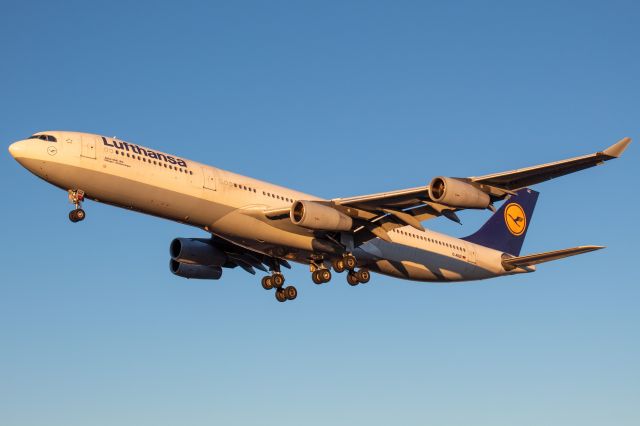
x=515, y=219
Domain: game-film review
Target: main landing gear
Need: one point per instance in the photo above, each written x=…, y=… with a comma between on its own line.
x=348, y=262
x=76, y=197
x=276, y=280
x=321, y=276
x=362, y=276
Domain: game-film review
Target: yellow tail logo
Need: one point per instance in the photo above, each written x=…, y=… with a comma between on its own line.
x=515, y=219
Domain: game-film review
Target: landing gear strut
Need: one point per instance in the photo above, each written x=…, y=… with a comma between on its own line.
x=76, y=197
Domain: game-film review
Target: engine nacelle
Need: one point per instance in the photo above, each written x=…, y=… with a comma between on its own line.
x=196, y=252
x=456, y=193
x=309, y=214
x=201, y=272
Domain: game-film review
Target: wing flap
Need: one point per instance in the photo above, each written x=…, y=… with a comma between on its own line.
x=534, y=259
x=400, y=199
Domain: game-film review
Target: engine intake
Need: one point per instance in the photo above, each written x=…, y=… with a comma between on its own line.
x=456, y=193
x=196, y=252
x=202, y=272
x=312, y=215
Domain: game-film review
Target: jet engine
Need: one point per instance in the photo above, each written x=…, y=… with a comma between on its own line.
x=196, y=252
x=456, y=193
x=312, y=215
x=187, y=270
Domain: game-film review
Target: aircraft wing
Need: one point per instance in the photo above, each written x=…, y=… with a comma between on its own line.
x=521, y=178
x=245, y=258
x=376, y=214
x=509, y=181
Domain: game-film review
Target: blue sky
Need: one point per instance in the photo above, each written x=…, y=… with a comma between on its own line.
x=336, y=99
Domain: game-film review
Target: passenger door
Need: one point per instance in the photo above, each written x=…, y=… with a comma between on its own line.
x=209, y=178
x=88, y=149
x=471, y=253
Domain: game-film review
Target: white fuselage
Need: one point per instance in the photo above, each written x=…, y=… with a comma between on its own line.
x=232, y=206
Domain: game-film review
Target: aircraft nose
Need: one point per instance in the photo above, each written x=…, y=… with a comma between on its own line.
x=17, y=149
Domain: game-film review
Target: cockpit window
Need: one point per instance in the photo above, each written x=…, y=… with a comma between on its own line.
x=47, y=138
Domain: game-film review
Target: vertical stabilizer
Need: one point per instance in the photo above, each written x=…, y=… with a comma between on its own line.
x=506, y=228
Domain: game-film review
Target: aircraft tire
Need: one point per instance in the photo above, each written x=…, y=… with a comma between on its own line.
x=325, y=275
x=291, y=292
x=352, y=279
x=350, y=262
x=278, y=280
x=363, y=276
x=267, y=282
x=280, y=295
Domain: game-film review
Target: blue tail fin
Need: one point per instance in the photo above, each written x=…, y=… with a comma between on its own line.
x=505, y=230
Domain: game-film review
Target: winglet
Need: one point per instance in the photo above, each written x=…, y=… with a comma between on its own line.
x=617, y=148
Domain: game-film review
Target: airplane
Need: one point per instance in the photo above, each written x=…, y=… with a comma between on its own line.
x=253, y=224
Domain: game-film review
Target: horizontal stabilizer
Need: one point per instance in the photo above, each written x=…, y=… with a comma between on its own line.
x=534, y=259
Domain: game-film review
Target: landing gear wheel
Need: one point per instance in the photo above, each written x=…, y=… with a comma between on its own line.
x=280, y=295
x=320, y=276
x=80, y=214
x=350, y=262
x=76, y=215
x=76, y=197
x=290, y=292
x=267, y=282
x=352, y=279
x=339, y=266
x=325, y=275
x=278, y=280
x=363, y=276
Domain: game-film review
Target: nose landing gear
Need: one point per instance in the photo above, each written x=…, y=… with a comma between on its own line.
x=76, y=197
